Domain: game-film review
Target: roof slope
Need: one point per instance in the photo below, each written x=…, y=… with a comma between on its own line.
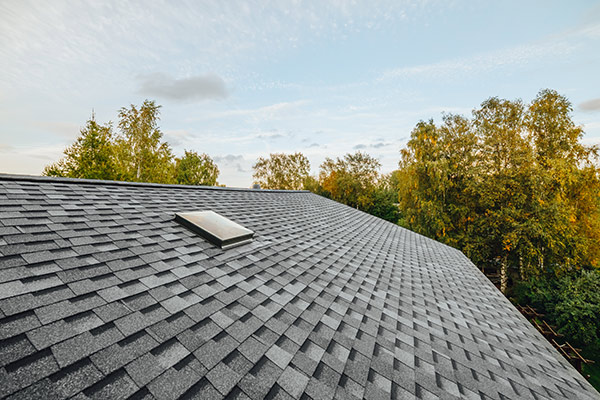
x=104, y=295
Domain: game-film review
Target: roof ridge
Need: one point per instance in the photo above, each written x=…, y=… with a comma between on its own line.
x=37, y=178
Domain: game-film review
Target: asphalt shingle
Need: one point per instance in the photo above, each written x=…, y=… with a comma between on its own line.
x=103, y=295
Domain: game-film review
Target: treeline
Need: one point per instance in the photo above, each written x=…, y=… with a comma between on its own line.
x=353, y=180
x=512, y=186
x=135, y=153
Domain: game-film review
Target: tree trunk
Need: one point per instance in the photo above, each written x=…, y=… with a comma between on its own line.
x=521, y=269
x=503, y=275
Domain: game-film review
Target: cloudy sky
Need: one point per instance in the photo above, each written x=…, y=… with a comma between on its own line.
x=239, y=80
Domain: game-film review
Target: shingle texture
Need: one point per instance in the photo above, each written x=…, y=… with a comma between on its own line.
x=104, y=295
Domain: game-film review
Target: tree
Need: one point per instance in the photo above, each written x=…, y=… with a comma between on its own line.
x=504, y=166
x=142, y=156
x=551, y=127
x=137, y=154
x=421, y=189
x=282, y=171
x=312, y=184
x=570, y=186
x=436, y=169
x=354, y=180
x=195, y=169
x=92, y=156
x=385, y=199
x=511, y=187
x=351, y=180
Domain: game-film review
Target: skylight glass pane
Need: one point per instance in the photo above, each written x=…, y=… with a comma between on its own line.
x=216, y=228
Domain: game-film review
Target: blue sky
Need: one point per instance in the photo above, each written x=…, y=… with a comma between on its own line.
x=239, y=80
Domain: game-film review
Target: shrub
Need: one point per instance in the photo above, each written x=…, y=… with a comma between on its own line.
x=540, y=293
x=571, y=302
x=578, y=310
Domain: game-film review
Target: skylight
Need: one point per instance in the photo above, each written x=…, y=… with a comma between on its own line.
x=215, y=228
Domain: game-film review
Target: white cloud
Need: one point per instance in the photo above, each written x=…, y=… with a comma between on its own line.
x=5, y=148
x=590, y=105
x=63, y=40
x=178, y=133
x=229, y=159
x=200, y=87
x=259, y=114
x=177, y=137
x=271, y=135
x=512, y=58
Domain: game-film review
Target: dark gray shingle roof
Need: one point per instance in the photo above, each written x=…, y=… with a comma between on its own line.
x=104, y=295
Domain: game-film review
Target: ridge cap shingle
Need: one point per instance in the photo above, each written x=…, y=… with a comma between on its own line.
x=54, y=179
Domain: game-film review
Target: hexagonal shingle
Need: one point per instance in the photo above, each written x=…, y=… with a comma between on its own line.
x=104, y=295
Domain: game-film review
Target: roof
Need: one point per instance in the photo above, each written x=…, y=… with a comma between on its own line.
x=104, y=295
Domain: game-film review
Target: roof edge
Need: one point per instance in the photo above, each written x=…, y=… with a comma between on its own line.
x=53, y=179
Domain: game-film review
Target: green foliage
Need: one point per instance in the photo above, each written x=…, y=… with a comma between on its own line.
x=436, y=169
x=312, y=184
x=384, y=201
x=511, y=186
x=142, y=155
x=282, y=171
x=578, y=311
x=554, y=133
x=195, y=169
x=542, y=293
x=572, y=302
x=92, y=156
x=593, y=370
x=138, y=154
x=351, y=180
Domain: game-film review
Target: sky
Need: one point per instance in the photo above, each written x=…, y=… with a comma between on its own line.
x=242, y=79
